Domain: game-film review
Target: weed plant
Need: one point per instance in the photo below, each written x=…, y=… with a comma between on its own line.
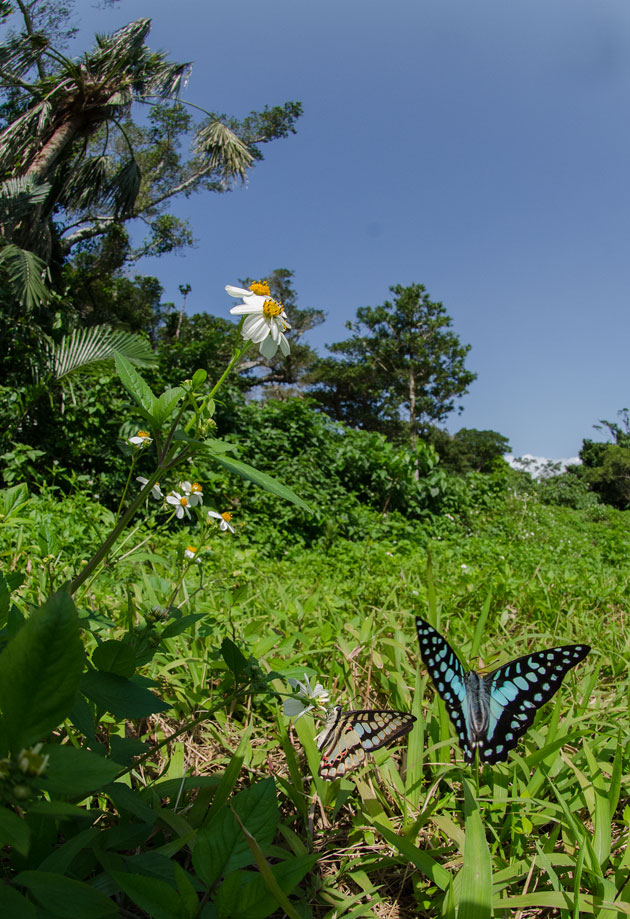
x=170, y=782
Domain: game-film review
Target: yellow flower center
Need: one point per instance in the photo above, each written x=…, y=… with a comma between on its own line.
x=271, y=308
x=226, y=516
x=192, y=549
x=260, y=287
x=195, y=487
x=183, y=501
x=143, y=434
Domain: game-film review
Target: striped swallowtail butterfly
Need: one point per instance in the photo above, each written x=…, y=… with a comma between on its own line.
x=348, y=737
x=491, y=712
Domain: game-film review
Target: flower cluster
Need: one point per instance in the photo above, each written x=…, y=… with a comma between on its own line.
x=266, y=320
x=187, y=495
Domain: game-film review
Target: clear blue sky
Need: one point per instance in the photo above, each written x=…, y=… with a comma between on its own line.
x=482, y=149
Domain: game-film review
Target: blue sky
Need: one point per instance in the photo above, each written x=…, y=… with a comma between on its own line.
x=482, y=149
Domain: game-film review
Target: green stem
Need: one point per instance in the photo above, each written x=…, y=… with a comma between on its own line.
x=238, y=354
x=100, y=554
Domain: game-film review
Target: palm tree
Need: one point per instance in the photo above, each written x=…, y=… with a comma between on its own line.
x=48, y=144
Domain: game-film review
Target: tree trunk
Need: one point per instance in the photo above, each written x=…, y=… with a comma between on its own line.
x=47, y=157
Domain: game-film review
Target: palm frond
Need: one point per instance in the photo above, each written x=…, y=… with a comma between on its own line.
x=123, y=188
x=91, y=350
x=228, y=154
x=86, y=185
x=19, y=195
x=26, y=273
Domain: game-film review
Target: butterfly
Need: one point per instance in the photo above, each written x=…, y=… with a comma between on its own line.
x=491, y=712
x=348, y=737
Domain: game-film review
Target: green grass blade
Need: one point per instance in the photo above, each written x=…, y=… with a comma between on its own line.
x=473, y=884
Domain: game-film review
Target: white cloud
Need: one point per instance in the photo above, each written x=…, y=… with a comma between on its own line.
x=540, y=467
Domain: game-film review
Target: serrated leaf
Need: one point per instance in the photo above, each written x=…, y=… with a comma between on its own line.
x=14, y=905
x=76, y=772
x=139, y=391
x=64, y=897
x=115, y=657
x=14, y=831
x=166, y=405
x=221, y=847
x=262, y=479
x=155, y=897
x=233, y=656
x=123, y=698
x=40, y=670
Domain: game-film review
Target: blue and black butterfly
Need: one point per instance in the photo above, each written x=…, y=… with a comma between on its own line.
x=348, y=737
x=491, y=712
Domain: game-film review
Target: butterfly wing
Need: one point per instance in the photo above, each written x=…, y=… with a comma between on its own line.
x=348, y=737
x=450, y=680
x=518, y=689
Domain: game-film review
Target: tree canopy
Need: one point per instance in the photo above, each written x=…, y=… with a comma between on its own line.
x=402, y=370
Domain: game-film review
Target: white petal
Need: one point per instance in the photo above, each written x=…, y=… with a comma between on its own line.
x=242, y=309
x=237, y=291
x=215, y=515
x=268, y=347
x=255, y=328
x=284, y=345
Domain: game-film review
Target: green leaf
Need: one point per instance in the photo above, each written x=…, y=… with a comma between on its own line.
x=14, y=905
x=14, y=831
x=221, y=847
x=64, y=897
x=246, y=893
x=233, y=657
x=155, y=897
x=473, y=884
x=76, y=772
x=40, y=670
x=11, y=499
x=166, y=405
x=123, y=698
x=135, y=386
x=115, y=657
x=262, y=479
x=5, y=600
x=177, y=626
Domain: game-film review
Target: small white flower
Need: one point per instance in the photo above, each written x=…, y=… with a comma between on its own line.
x=224, y=519
x=156, y=491
x=463, y=567
x=140, y=440
x=181, y=502
x=306, y=698
x=194, y=492
x=31, y=762
x=266, y=320
x=190, y=551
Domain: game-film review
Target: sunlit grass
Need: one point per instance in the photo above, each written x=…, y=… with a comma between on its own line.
x=415, y=832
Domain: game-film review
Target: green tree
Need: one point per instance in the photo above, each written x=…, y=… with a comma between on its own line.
x=469, y=450
x=69, y=127
x=401, y=371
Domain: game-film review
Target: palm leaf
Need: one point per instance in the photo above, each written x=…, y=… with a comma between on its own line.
x=226, y=151
x=91, y=350
x=26, y=273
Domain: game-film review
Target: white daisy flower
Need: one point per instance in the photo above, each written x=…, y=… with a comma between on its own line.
x=306, y=698
x=190, y=551
x=225, y=518
x=156, y=491
x=181, y=502
x=266, y=320
x=193, y=491
x=140, y=440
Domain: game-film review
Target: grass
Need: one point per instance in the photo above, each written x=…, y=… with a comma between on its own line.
x=415, y=832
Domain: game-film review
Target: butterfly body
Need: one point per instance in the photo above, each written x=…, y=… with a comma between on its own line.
x=491, y=712
x=348, y=737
